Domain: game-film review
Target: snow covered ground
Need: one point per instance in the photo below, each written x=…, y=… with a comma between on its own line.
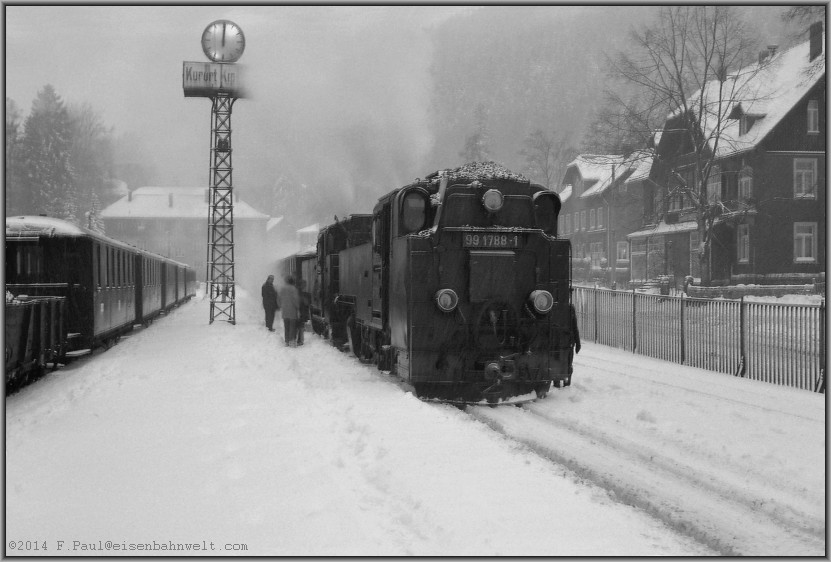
x=219, y=437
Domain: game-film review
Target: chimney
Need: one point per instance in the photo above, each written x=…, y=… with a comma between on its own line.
x=129, y=195
x=768, y=53
x=815, y=34
x=170, y=200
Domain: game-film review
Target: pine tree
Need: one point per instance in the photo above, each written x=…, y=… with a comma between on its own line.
x=45, y=158
x=15, y=195
x=94, y=220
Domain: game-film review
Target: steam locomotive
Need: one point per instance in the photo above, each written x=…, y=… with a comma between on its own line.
x=457, y=283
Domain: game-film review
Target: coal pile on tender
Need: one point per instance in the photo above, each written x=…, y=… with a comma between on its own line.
x=481, y=171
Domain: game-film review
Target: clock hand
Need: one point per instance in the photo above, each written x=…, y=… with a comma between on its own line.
x=223, y=34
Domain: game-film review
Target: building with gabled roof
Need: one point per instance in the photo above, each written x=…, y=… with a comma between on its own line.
x=766, y=186
x=601, y=197
x=173, y=221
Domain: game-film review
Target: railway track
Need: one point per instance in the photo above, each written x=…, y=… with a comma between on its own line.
x=731, y=507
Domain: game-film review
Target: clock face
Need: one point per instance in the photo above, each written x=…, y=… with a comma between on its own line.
x=223, y=41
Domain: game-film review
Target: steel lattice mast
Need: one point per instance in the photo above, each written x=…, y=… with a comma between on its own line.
x=223, y=42
x=220, y=260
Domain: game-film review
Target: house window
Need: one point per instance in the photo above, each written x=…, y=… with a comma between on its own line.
x=596, y=249
x=600, y=217
x=804, y=178
x=743, y=243
x=805, y=242
x=568, y=223
x=676, y=202
x=623, y=251
x=582, y=220
x=592, y=219
x=746, y=184
x=714, y=185
x=813, y=116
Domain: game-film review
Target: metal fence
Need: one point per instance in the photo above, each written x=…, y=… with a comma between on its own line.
x=777, y=343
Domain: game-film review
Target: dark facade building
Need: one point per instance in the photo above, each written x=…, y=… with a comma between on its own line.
x=765, y=184
x=602, y=203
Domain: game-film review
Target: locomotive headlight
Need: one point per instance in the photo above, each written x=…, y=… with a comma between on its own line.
x=447, y=299
x=542, y=301
x=493, y=200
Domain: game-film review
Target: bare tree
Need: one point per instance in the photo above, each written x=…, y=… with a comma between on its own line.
x=547, y=156
x=695, y=65
x=92, y=159
x=477, y=145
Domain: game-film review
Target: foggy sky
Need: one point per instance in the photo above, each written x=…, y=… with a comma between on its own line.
x=318, y=77
x=339, y=95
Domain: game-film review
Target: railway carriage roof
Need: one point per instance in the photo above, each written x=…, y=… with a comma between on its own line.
x=50, y=227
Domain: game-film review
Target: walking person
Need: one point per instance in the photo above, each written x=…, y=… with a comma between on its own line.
x=270, y=302
x=305, y=303
x=290, y=307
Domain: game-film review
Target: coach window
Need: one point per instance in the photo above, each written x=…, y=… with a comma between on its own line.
x=96, y=266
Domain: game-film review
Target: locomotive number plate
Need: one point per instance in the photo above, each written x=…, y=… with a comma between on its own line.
x=488, y=240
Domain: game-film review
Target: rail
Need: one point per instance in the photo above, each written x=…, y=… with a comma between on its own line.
x=776, y=343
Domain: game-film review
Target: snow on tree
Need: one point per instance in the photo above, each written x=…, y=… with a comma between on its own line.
x=46, y=156
x=15, y=196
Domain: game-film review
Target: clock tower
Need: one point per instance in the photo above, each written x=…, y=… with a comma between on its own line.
x=223, y=42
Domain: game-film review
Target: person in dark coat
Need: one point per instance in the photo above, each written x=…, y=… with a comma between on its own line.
x=270, y=302
x=575, y=339
x=290, y=306
x=305, y=303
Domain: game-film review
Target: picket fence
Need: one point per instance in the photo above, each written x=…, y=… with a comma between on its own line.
x=776, y=343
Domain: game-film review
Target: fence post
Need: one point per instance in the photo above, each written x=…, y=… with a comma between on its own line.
x=822, y=347
x=740, y=371
x=634, y=324
x=682, y=329
x=595, y=314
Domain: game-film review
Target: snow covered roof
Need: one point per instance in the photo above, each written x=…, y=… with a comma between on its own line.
x=605, y=169
x=273, y=222
x=640, y=164
x=599, y=170
x=172, y=202
x=311, y=228
x=664, y=228
x=766, y=91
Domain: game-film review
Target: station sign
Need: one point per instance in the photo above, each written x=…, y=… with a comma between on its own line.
x=206, y=79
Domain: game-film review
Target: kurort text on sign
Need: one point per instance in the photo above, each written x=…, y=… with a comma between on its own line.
x=206, y=79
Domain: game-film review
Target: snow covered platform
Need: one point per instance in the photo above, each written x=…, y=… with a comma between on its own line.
x=220, y=437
